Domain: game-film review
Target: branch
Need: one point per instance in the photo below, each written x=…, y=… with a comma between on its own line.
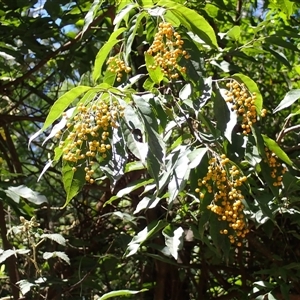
x=238, y=13
x=6, y=119
x=63, y=48
x=12, y=151
x=290, y=129
x=281, y=133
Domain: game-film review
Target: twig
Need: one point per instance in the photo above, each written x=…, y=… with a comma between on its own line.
x=290, y=129
x=281, y=133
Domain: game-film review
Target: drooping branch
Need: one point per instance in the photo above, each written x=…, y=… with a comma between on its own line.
x=53, y=54
x=6, y=119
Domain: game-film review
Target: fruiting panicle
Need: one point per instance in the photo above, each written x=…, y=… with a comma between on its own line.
x=87, y=134
x=167, y=50
x=243, y=103
x=224, y=180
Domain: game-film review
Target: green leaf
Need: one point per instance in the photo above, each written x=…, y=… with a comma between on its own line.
x=125, y=10
x=279, y=56
x=285, y=6
x=220, y=241
x=185, y=92
x=104, y=51
x=61, y=104
x=137, y=23
x=133, y=186
x=234, y=33
x=25, y=286
x=291, y=97
x=58, y=238
x=61, y=255
x=192, y=21
x=147, y=203
x=273, y=146
x=179, y=176
x=165, y=177
x=144, y=235
x=173, y=239
x=222, y=113
x=156, y=152
x=171, y=18
x=121, y=293
x=6, y=254
x=114, y=165
x=15, y=192
x=89, y=17
x=195, y=157
x=140, y=150
x=156, y=74
x=275, y=40
x=72, y=181
x=253, y=88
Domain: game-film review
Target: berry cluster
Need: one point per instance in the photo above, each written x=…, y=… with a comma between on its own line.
x=88, y=134
x=167, y=50
x=277, y=169
x=224, y=181
x=117, y=65
x=243, y=103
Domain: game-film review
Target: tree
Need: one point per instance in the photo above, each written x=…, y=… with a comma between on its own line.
x=172, y=127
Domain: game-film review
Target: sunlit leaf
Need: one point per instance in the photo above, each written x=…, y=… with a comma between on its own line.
x=155, y=72
x=273, y=146
x=125, y=10
x=120, y=293
x=58, y=238
x=104, y=51
x=192, y=21
x=144, y=235
x=15, y=192
x=89, y=18
x=196, y=156
x=185, y=92
x=173, y=239
x=25, y=286
x=234, y=33
x=179, y=177
x=6, y=254
x=61, y=104
x=72, y=181
x=61, y=255
x=146, y=203
x=133, y=186
x=290, y=98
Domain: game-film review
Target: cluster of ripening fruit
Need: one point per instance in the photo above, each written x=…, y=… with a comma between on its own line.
x=88, y=134
x=118, y=66
x=166, y=50
x=224, y=181
x=277, y=169
x=243, y=103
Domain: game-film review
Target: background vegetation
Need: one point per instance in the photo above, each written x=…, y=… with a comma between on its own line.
x=149, y=149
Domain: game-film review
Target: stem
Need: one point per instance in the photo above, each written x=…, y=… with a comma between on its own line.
x=34, y=260
x=11, y=263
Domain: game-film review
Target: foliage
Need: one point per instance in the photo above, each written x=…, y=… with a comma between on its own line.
x=170, y=129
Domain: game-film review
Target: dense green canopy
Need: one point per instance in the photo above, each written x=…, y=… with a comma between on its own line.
x=149, y=149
